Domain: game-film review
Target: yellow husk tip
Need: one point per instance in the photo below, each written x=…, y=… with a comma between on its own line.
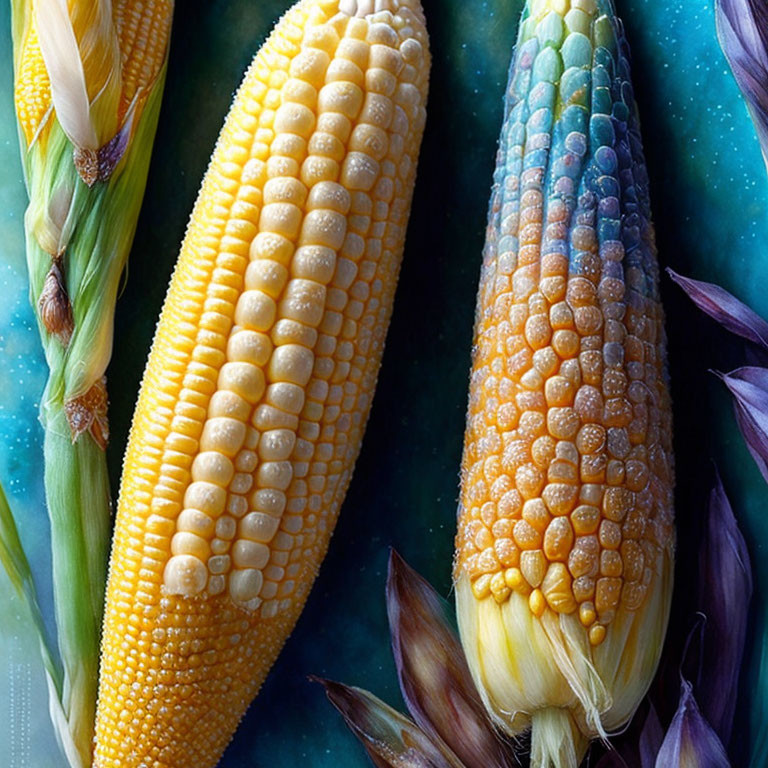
x=543, y=672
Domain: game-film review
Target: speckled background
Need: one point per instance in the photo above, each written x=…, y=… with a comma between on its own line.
x=709, y=200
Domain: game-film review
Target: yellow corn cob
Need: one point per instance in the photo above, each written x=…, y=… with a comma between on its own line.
x=261, y=376
x=565, y=539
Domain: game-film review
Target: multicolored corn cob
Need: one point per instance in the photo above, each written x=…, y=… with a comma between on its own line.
x=261, y=376
x=565, y=539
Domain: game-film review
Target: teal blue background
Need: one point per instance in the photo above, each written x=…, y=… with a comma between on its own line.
x=709, y=200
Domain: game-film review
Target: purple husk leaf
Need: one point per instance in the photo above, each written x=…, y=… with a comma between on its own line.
x=732, y=314
x=690, y=740
x=391, y=739
x=749, y=387
x=434, y=677
x=651, y=739
x=725, y=584
x=742, y=27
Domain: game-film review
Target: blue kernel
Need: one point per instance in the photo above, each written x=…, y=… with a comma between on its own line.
x=574, y=119
x=550, y=30
x=577, y=50
x=609, y=207
x=548, y=66
x=607, y=186
x=574, y=86
x=601, y=131
x=540, y=121
x=541, y=95
x=576, y=142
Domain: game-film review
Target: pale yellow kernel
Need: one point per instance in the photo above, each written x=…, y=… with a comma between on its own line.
x=596, y=634
x=269, y=500
x=266, y=276
x=254, y=172
x=291, y=146
x=250, y=554
x=359, y=171
x=379, y=80
x=241, y=483
x=300, y=92
x=587, y=614
x=310, y=65
x=226, y=527
x=269, y=245
x=285, y=190
x=369, y=140
x=209, y=498
x=533, y=566
x=255, y=310
x=268, y=417
x=386, y=57
x=283, y=219
x=513, y=578
x=259, y=526
x=556, y=588
x=212, y=467
x=245, y=585
x=216, y=585
x=345, y=274
x=277, y=167
x=195, y=521
x=327, y=145
x=382, y=34
x=236, y=505
x=295, y=118
x=324, y=227
x=344, y=98
x=276, y=444
x=558, y=539
x=228, y=404
x=304, y=301
x=219, y=564
x=499, y=587
x=270, y=609
x=244, y=379
x=481, y=587
x=353, y=50
x=185, y=575
x=223, y=434
x=286, y=397
x=314, y=262
x=287, y=331
x=342, y=69
x=336, y=124
x=536, y=602
x=292, y=363
x=274, y=474
x=184, y=543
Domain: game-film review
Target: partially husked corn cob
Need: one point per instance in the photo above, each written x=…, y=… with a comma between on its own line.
x=88, y=82
x=260, y=379
x=565, y=538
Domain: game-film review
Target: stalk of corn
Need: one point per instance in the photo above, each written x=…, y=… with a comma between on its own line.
x=88, y=82
x=261, y=376
x=565, y=535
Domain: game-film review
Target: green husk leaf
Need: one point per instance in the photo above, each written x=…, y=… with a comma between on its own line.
x=16, y=565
